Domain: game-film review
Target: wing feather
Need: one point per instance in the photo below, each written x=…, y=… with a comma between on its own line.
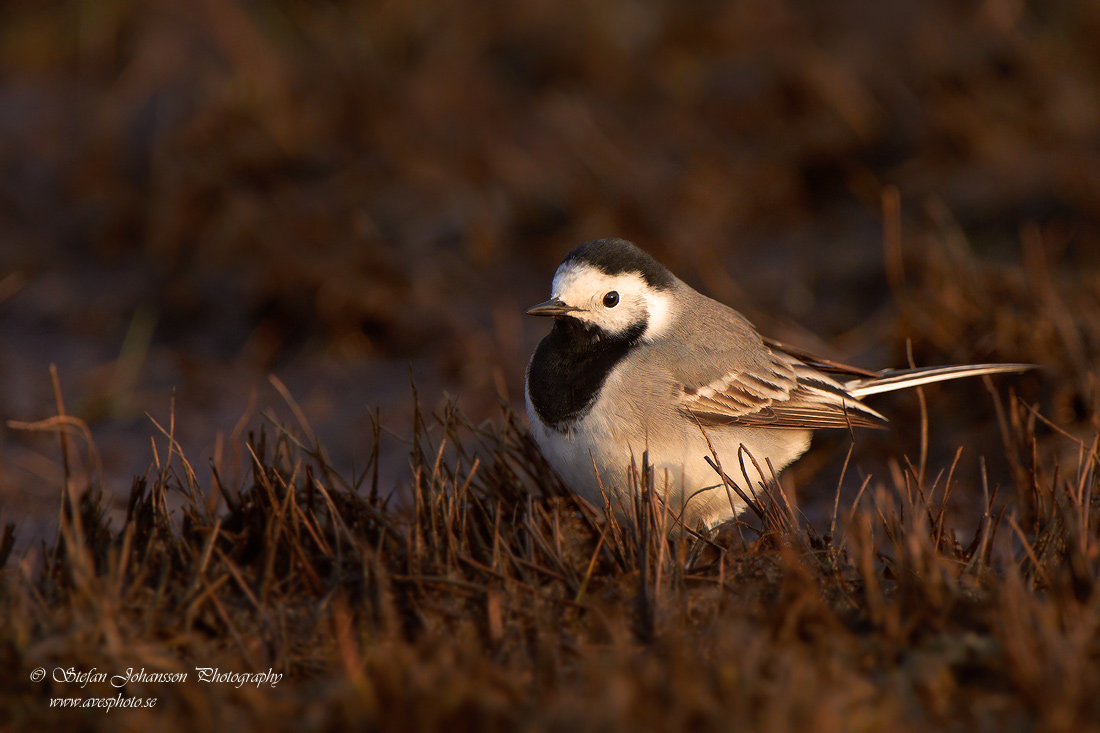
x=737, y=378
x=788, y=394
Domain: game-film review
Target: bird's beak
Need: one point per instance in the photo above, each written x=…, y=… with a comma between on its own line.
x=552, y=307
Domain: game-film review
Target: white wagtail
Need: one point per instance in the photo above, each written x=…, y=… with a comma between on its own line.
x=639, y=361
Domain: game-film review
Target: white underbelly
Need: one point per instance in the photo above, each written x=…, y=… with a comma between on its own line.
x=594, y=457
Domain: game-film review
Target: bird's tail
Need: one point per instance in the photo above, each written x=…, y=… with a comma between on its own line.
x=891, y=379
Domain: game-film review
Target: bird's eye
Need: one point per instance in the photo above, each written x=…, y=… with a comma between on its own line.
x=611, y=299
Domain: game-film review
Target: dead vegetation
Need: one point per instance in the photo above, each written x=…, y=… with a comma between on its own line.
x=493, y=600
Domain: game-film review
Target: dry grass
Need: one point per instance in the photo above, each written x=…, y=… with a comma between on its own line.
x=493, y=600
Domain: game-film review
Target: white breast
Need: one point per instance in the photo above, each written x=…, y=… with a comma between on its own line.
x=627, y=420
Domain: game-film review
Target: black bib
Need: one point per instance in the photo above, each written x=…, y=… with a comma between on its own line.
x=570, y=366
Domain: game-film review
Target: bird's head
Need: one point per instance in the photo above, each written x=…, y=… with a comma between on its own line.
x=612, y=286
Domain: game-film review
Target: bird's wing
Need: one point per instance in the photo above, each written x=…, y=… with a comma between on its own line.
x=732, y=377
x=789, y=394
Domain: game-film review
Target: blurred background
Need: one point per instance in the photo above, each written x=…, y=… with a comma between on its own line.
x=349, y=195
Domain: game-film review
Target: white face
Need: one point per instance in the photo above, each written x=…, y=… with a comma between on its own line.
x=585, y=287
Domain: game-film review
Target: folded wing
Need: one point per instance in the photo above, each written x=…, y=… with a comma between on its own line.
x=787, y=394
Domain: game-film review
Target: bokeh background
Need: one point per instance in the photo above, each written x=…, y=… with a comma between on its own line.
x=196, y=194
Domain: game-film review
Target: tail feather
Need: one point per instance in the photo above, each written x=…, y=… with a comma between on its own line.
x=893, y=379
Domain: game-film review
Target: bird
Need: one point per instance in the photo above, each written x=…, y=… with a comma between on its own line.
x=638, y=362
